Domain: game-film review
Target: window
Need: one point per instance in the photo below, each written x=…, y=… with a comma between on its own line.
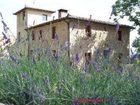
x=54, y=52
x=120, y=58
x=87, y=57
x=23, y=15
x=33, y=36
x=31, y=52
x=120, y=35
x=55, y=55
x=88, y=30
x=40, y=34
x=18, y=37
x=44, y=17
x=107, y=52
x=53, y=32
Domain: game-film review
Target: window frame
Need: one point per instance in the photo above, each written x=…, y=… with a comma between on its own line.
x=33, y=35
x=44, y=17
x=119, y=35
x=88, y=57
x=40, y=34
x=23, y=15
x=88, y=30
x=19, y=37
x=53, y=32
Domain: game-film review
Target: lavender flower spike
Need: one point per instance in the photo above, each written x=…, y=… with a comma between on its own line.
x=77, y=58
x=42, y=98
x=1, y=15
x=75, y=102
x=13, y=58
x=24, y=75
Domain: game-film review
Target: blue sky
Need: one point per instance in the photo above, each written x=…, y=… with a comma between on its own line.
x=99, y=9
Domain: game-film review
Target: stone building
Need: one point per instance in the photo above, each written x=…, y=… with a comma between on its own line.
x=86, y=38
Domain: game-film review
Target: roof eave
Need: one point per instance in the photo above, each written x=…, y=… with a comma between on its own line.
x=32, y=9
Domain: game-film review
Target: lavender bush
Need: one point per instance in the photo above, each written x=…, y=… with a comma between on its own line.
x=43, y=83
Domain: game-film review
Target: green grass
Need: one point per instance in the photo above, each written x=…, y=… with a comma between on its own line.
x=56, y=83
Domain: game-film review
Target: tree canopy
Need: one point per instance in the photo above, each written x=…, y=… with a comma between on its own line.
x=128, y=8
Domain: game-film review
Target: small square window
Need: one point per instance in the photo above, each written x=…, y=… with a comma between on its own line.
x=53, y=32
x=55, y=54
x=120, y=35
x=88, y=57
x=18, y=37
x=40, y=34
x=107, y=52
x=120, y=59
x=45, y=17
x=33, y=36
x=88, y=30
x=23, y=15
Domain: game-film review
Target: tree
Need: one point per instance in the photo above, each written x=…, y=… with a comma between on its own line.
x=136, y=44
x=130, y=9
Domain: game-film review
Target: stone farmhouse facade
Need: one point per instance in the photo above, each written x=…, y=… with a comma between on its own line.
x=85, y=38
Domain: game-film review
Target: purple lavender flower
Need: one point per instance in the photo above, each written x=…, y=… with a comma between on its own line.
x=7, y=41
x=42, y=98
x=111, y=99
x=1, y=15
x=4, y=24
x=5, y=27
x=24, y=75
x=46, y=80
x=73, y=26
x=75, y=102
x=13, y=58
x=56, y=37
x=4, y=35
x=95, y=66
x=117, y=27
x=66, y=46
x=77, y=58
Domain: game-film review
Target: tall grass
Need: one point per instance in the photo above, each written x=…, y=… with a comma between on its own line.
x=46, y=82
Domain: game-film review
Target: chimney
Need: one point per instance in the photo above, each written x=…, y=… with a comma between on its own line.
x=62, y=13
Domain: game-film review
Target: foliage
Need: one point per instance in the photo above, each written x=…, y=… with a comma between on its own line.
x=129, y=8
x=136, y=44
x=50, y=82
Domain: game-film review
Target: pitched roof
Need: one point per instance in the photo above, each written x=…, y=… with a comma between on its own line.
x=81, y=19
x=34, y=9
x=98, y=21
